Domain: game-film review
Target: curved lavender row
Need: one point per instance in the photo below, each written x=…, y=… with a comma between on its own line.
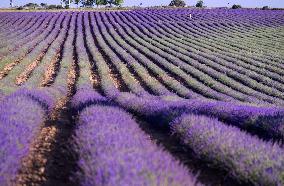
x=163, y=64
x=232, y=47
x=107, y=85
x=203, y=32
x=23, y=27
x=167, y=80
x=141, y=73
x=244, y=156
x=211, y=72
x=11, y=19
x=40, y=36
x=10, y=23
x=20, y=121
x=21, y=39
x=41, y=96
x=86, y=96
x=114, y=151
x=10, y=28
x=268, y=122
x=23, y=30
x=193, y=30
x=222, y=87
x=127, y=78
x=196, y=21
x=36, y=76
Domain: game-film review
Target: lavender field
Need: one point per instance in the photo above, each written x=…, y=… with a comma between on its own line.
x=142, y=97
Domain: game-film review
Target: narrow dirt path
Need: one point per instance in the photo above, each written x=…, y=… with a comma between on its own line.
x=52, y=159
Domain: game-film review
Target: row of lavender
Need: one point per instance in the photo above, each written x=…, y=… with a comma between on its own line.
x=267, y=122
x=181, y=66
x=117, y=54
x=102, y=124
x=21, y=117
x=246, y=157
x=163, y=109
x=23, y=113
x=191, y=73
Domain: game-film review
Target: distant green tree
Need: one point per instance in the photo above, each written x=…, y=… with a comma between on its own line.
x=177, y=3
x=59, y=7
x=115, y=2
x=88, y=2
x=43, y=4
x=118, y=2
x=199, y=4
x=54, y=7
x=77, y=2
x=236, y=6
x=31, y=5
x=101, y=2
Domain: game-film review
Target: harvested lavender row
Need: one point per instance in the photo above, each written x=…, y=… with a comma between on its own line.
x=244, y=156
x=21, y=117
x=114, y=151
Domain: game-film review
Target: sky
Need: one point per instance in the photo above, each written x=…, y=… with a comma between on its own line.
x=209, y=3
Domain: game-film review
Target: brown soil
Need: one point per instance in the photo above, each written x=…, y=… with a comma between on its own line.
x=9, y=67
x=25, y=75
x=51, y=71
x=33, y=166
x=95, y=80
x=72, y=78
x=115, y=79
x=51, y=159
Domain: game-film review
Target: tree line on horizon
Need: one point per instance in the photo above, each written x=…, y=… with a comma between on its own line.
x=84, y=3
x=96, y=2
x=200, y=4
x=91, y=3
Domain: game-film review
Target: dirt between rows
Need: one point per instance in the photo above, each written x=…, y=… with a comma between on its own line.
x=51, y=159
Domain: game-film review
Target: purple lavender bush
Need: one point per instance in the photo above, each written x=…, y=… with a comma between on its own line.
x=2, y=95
x=42, y=96
x=21, y=117
x=114, y=151
x=266, y=121
x=85, y=96
x=244, y=156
